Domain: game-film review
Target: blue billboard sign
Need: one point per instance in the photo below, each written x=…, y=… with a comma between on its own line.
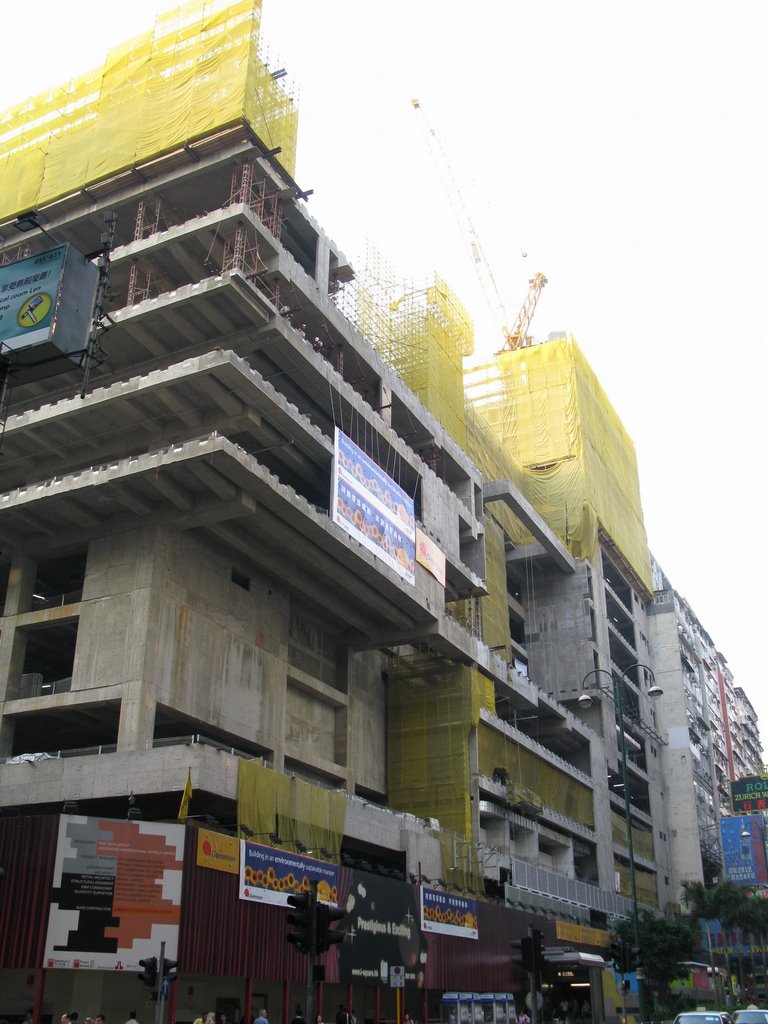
x=743, y=840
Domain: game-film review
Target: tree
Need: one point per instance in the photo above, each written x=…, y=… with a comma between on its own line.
x=733, y=912
x=665, y=943
x=704, y=904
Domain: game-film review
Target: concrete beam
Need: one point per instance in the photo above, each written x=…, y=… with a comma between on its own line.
x=506, y=492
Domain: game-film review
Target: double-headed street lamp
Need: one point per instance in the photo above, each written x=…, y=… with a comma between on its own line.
x=616, y=692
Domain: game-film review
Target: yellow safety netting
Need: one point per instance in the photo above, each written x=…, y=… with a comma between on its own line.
x=433, y=705
x=537, y=416
x=645, y=883
x=461, y=862
x=421, y=330
x=548, y=411
x=196, y=73
x=642, y=839
x=288, y=809
x=531, y=779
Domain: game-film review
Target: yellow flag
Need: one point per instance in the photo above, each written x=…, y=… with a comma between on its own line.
x=186, y=796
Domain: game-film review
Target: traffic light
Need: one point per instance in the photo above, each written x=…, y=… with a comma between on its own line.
x=616, y=953
x=527, y=957
x=633, y=958
x=149, y=974
x=170, y=970
x=537, y=940
x=303, y=921
x=325, y=936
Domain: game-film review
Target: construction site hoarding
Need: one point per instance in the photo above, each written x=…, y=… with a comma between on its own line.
x=195, y=74
x=46, y=310
x=372, y=508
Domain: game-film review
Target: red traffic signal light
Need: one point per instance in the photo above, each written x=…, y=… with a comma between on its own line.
x=327, y=936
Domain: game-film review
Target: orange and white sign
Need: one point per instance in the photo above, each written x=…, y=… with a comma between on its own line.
x=430, y=556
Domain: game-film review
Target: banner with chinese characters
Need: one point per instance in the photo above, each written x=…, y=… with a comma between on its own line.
x=448, y=914
x=372, y=508
x=116, y=893
x=271, y=876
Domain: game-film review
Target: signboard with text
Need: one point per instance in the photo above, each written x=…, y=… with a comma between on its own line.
x=46, y=310
x=271, y=876
x=372, y=508
x=116, y=893
x=448, y=914
x=749, y=794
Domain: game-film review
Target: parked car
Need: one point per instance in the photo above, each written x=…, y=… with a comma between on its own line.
x=750, y=1017
x=702, y=1017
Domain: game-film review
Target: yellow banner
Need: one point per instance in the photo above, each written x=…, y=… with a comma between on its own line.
x=583, y=934
x=217, y=851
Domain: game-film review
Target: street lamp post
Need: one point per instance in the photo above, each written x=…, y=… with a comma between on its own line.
x=615, y=692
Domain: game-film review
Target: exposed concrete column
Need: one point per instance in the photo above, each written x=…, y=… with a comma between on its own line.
x=385, y=404
x=137, y=716
x=21, y=583
x=13, y=650
x=322, y=264
x=606, y=867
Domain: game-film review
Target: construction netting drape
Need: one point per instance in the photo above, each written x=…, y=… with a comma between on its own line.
x=196, y=72
x=421, y=330
x=288, y=809
x=531, y=779
x=645, y=884
x=642, y=839
x=568, y=451
x=461, y=862
x=433, y=707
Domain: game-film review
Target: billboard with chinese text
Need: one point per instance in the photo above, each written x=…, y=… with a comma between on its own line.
x=372, y=508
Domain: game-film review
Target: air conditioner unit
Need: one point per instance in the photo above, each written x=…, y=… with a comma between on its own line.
x=31, y=683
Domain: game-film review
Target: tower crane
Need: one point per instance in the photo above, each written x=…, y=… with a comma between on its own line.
x=517, y=336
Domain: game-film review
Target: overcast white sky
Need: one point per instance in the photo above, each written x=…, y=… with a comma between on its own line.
x=622, y=146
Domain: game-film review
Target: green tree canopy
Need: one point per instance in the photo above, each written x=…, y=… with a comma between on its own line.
x=665, y=943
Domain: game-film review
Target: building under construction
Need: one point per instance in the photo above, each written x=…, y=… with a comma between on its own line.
x=200, y=602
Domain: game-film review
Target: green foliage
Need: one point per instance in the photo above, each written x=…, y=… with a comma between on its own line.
x=665, y=942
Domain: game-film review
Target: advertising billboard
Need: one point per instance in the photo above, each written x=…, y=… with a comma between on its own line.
x=116, y=893
x=372, y=508
x=448, y=914
x=271, y=876
x=744, y=861
x=46, y=308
